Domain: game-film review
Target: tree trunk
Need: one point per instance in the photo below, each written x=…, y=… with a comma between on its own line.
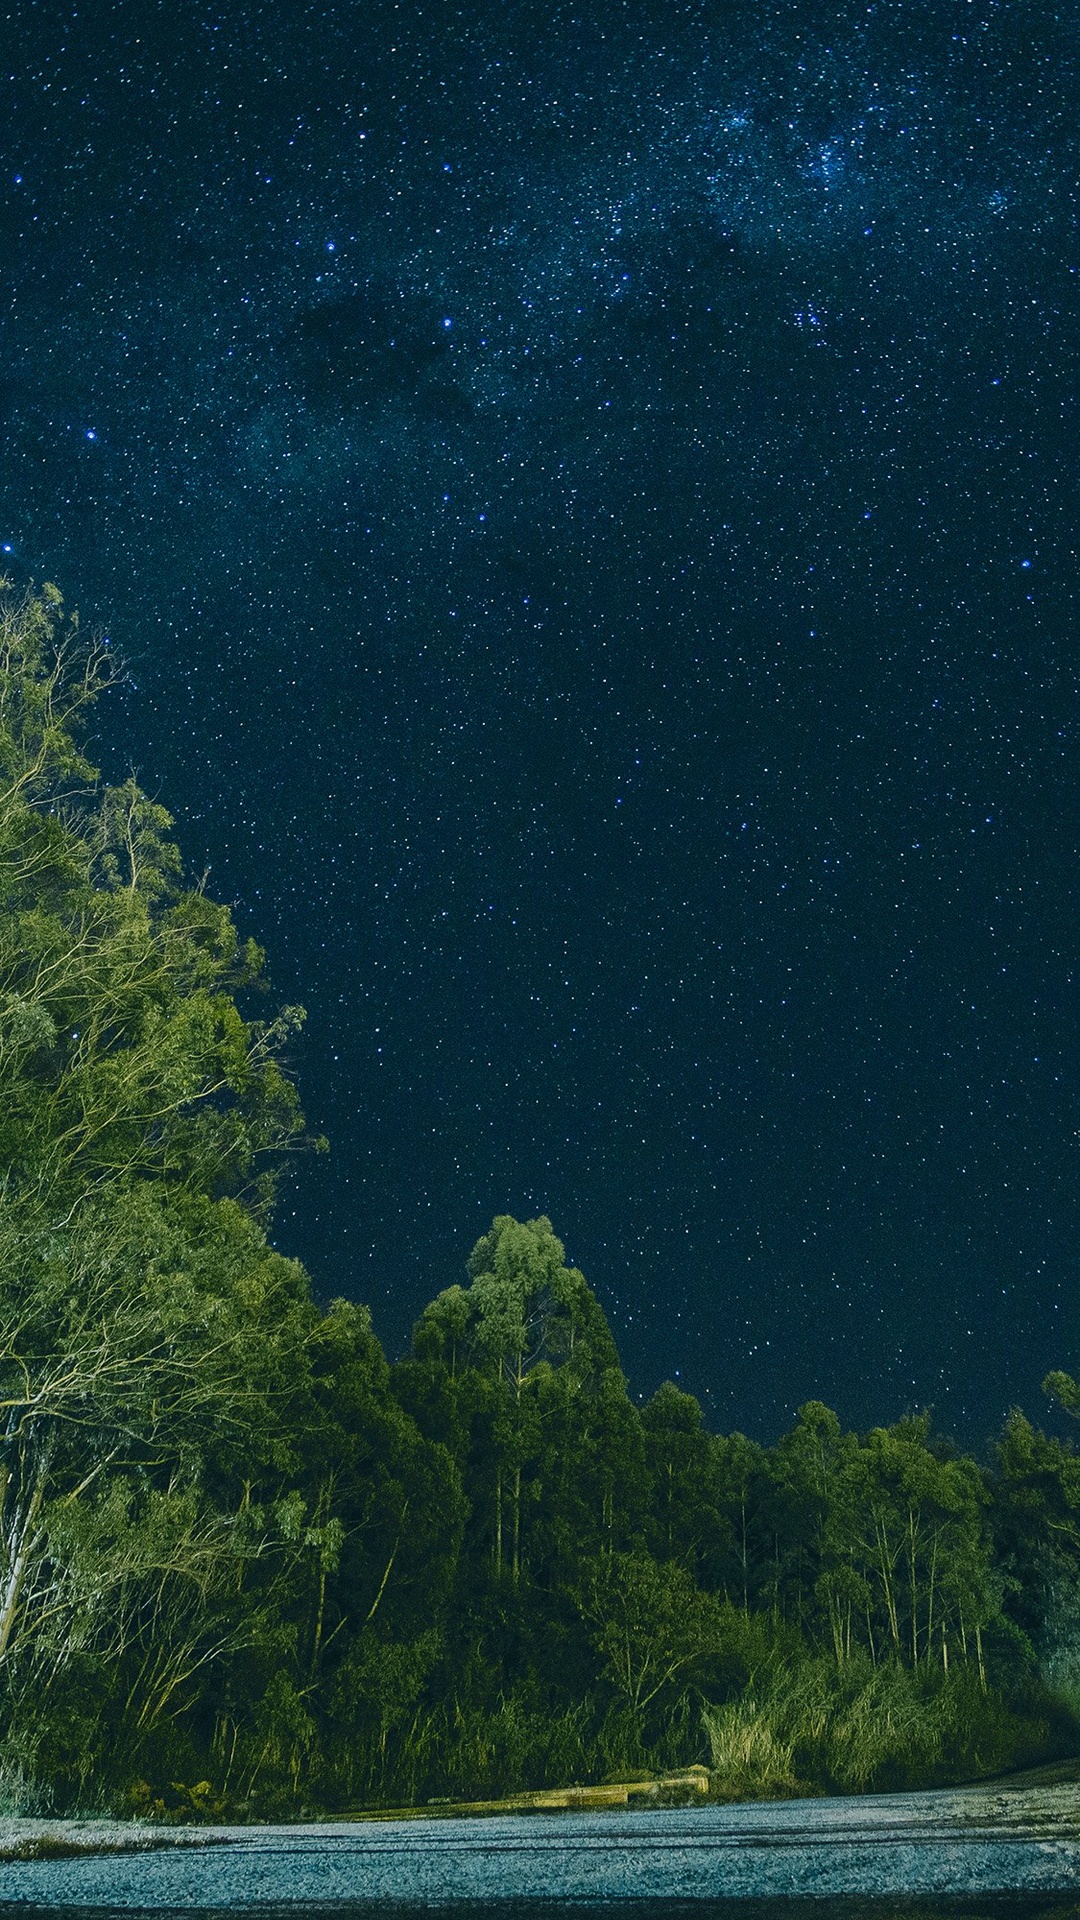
x=22, y=1537
x=517, y=1524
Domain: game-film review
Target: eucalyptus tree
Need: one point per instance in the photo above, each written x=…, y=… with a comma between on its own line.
x=883, y=1544
x=1035, y=1518
x=740, y=1467
x=686, y=1521
x=925, y=1547
x=144, y=1321
x=527, y=1379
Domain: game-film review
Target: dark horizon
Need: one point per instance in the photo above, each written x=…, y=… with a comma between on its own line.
x=589, y=503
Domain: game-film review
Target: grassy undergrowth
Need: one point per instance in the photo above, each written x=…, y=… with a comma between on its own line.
x=816, y=1727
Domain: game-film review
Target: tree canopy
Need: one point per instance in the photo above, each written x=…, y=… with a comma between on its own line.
x=246, y=1561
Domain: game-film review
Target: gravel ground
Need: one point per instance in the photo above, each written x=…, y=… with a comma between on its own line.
x=971, y=1842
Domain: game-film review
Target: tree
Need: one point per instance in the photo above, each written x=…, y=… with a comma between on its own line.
x=1035, y=1519
x=510, y=1353
x=686, y=1523
x=1065, y=1390
x=740, y=1467
x=651, y=1624
x=882, y=1544
x=145, y=1324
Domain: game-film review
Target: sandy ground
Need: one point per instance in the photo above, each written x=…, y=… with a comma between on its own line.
x=971, y=1841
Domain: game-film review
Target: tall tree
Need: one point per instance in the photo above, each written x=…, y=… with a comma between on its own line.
x=144, y=1321
x=510, y=1353
x=686, y=1521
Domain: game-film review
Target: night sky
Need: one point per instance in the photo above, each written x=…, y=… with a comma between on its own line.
x=588, y=498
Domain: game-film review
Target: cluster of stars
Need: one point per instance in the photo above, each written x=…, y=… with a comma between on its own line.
x=593, y=523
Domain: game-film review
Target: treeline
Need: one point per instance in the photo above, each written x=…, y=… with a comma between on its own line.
x=246, y=1564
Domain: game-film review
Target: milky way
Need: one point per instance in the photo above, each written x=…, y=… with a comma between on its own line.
x=588, y=500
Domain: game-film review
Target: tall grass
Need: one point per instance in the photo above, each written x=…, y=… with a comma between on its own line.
x=859, y=1726
x=751, y=1759
x=20, y=1793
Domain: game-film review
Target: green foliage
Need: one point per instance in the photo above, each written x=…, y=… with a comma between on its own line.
x=1065, y=1390
x=860, y=1726
x=752, y=1756
x=882, y=1543
x=519, y=1375
x=1036, y=1519
x=652, y=1627
x=687, y=1521
x=247, y=1566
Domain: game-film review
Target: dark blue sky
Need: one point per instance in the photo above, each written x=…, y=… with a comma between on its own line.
x=589, y=498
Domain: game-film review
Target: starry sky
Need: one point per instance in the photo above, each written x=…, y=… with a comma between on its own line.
x=588, y=498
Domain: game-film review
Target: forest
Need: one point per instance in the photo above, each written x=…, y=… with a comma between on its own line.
x=250, y=1566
